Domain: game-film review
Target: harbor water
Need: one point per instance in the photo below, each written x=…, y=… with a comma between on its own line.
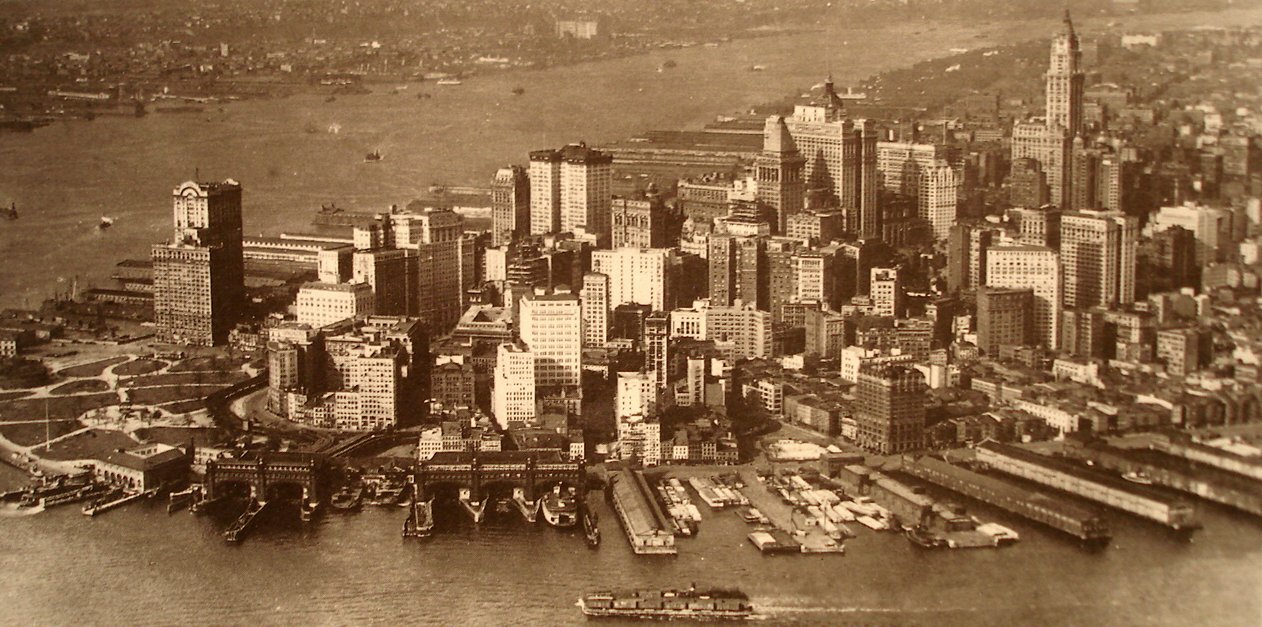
x=139, y=565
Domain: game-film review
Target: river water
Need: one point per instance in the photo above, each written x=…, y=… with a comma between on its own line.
x=140, y=566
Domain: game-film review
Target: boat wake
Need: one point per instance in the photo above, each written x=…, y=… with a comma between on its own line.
x=766, y=612
x=9, y=510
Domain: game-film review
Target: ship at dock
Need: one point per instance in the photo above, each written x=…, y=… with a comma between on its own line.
x=560, y=507
x=693, y=603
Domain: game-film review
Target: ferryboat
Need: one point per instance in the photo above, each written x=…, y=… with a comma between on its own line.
x=693, y=603
x=560, y=508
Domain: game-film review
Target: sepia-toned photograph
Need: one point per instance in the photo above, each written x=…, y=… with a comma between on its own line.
x=570, y=312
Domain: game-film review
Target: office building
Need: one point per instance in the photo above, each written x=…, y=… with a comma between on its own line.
x=1050, y=140
x=199, y=275
x=779, y=172
x=594, y=299
x=656, y=347
x=638, y=223
x=552, y=330
x=644, y=276
x=1027, y=184
x=886, y=292
x=1097, y=249
x=571, y=191
x=1003, y=318
x=510, y=205
x=320, y=304
x=513, y=386
x=937, y=197
x=840, y=158
x=967, y=247
x=890, y=408
x=1036, y=268
x=899, y=164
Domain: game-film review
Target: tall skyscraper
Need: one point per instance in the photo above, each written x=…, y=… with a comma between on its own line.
x=938, y=197
x=738, y=270
x=199, y=276
x=779, y=172
x=571, y=191
x=545, y=191
x=656, y=347
x=840, y=156
x=510, y=205
x=1036, y=268
x=890, y=408
x=899, y=164
x=1049, y=141
x=967, y=246
x=595, y=309
x=1064, y=80
x=1098, y=252
x=552, y=329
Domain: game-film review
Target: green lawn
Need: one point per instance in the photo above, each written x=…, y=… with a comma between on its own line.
x=61, y=407
x=90, y=445
x=208, y=363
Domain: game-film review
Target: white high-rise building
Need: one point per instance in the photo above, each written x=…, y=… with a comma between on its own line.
x=513, y=395
x=595, y=306
x=643, y=276
x=1049, y=140
x=321, y=304
x=938, y=196
x=1097, y=249
x=571, y=190
x=640, y=437
x=1034, y=268
x=552, y=328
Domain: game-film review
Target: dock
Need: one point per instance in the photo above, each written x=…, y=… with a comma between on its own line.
x=1050, y=510
x=101, y=508
x=1110, y=490
x=236, y=532
x=648, y=530
x=1198, y=478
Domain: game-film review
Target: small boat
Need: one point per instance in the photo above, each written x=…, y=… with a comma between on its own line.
x=757, y=68
x=373, y=157
x=1137, y=477
x=106, y=222
x=449, y=82
x=330, y=99
x=348, y=498
x=669, y=65
x=12, y=212
x=517, y=91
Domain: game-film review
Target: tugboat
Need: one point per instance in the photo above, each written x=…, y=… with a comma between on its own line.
x=1137, y=477
x=693, y=603
x=517, y=91
x=348, y=498
x=373, y=157
x=560, y=508
x=12, y=212
x=591, y=527
x=106, y=222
